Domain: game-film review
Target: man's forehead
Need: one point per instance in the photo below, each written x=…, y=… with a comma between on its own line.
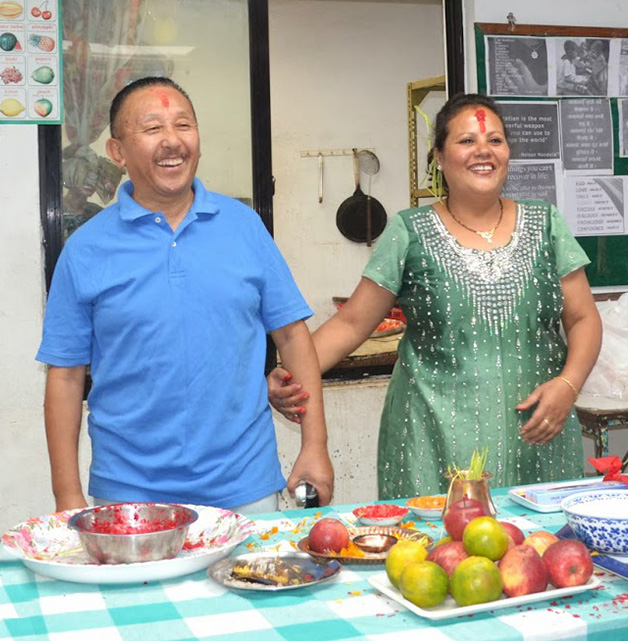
x=150, y=102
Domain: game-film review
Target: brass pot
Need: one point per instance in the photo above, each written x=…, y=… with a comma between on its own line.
x=460, y=486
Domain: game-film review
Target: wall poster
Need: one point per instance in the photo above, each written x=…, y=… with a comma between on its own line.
x=31, y=65
x=563, y=93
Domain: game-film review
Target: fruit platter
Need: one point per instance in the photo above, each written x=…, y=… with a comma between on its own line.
x=483, y=563
x=331, y=539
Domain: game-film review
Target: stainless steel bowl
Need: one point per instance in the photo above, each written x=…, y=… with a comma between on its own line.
x=133, y=532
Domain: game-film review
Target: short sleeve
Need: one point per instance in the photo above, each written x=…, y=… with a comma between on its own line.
x=67, y=333
x=569, y=254
x=387, y=264
x=282, y=302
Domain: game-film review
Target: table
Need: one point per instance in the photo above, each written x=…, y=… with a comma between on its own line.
x=597, y=415
x=33, y=608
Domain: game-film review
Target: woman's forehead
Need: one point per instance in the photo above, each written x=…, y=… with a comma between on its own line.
x=476, y=117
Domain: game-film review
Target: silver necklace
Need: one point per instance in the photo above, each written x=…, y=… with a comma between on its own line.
x=487, y=235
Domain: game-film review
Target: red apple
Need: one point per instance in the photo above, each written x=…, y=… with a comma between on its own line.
x=523, y=571
x=540, y=540
x=515, y=533
x=328, y=535
x=458, y=514
x=568, y=563
x=448, y=555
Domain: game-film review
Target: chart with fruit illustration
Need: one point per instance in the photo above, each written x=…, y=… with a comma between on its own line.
x=31, y=87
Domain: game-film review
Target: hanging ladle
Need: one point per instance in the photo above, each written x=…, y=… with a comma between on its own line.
x=369, y=164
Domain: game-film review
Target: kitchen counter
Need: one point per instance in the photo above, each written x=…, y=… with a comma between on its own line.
x=347, y=608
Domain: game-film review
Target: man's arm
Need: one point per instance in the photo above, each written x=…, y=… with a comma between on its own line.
x=63, y=407
x=299, y=357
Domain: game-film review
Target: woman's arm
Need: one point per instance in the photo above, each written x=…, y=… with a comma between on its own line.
x=346, y=330
x=583, y=329
x=352, y=324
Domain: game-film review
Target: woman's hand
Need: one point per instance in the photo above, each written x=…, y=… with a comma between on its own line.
x=287, y=398
x=553, y=401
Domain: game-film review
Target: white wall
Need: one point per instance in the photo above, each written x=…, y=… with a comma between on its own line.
x=339, y=72
x=24, y=485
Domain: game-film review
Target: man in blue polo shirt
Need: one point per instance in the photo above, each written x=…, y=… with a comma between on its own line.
x=168, y=295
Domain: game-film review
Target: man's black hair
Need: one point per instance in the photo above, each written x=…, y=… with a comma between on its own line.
x=141, y=83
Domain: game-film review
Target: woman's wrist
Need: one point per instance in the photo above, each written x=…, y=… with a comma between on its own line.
x=569, y=384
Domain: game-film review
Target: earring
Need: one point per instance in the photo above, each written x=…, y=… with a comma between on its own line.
x=439, y=168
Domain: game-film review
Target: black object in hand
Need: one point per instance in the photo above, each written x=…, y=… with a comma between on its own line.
x=306, y=495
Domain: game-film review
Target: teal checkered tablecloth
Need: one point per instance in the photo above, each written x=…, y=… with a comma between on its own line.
x=194, y=607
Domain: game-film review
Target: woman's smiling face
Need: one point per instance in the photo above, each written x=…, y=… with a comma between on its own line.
x=475, y=156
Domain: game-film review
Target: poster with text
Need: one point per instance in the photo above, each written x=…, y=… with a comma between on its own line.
x=516, y=66
x=582, y=66
x=31, y=67
x=587, y=136
x=534, y=181
x=533, y=129
x=596, y=206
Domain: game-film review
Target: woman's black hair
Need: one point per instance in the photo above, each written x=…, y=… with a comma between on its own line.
x=149, y=81
x=451, y=109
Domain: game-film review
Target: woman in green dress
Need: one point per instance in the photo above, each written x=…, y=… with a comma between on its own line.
x=484, y=283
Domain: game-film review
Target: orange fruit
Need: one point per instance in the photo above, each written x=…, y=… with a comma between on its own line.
x=475, y=580
x=403, y=552
x=485, y=536
x=424, y=583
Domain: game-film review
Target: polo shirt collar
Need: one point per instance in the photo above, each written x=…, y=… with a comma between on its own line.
x=205, y=202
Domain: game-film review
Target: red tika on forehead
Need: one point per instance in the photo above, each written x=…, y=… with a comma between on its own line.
x=480, y=114
x=164, y=98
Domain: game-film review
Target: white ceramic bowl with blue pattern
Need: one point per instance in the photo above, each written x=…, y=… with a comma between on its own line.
x=599, y=519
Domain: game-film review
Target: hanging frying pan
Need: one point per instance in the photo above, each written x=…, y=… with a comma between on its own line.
x=360, y=218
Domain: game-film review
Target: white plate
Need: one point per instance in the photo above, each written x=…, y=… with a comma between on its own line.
x=382, y=521
x=429, y=514
x=449, y=608
x=47, y=546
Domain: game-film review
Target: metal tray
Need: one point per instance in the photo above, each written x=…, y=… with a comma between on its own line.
x=319, y=570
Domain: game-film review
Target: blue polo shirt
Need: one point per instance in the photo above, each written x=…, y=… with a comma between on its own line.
x=174, y=326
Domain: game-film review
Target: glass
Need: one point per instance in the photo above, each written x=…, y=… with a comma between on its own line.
x=203, y=46
x=460, y=487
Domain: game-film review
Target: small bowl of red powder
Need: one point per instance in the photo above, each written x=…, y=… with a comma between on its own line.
x=380, y=514
x=133, y=532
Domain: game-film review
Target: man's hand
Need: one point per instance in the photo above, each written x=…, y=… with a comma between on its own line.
x=314, y=467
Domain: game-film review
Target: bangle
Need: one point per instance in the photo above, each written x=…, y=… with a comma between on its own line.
x=573, y=389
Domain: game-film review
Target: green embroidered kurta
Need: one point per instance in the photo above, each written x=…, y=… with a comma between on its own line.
x=482, y=334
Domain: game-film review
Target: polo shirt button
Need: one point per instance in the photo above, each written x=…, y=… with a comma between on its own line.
x=157, y=219
x=174, y=243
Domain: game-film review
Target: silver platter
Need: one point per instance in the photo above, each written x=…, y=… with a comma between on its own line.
x=320, y=570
